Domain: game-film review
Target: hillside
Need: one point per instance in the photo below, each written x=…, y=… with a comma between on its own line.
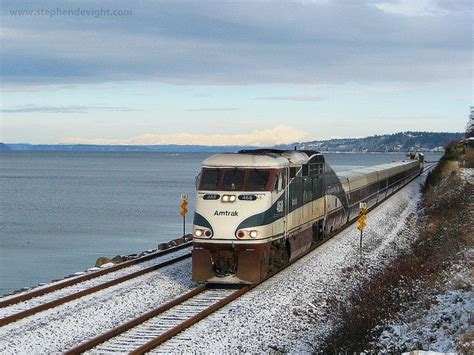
x=398, y=142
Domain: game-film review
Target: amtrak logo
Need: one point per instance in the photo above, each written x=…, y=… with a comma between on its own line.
x=226, y=213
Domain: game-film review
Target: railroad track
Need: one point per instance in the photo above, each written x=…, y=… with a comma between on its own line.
x=159, y=325
x=24, y=305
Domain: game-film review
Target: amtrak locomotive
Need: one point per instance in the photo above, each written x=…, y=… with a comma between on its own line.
x=257, y=210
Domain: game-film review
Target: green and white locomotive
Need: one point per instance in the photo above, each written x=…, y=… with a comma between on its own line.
x=257, y=210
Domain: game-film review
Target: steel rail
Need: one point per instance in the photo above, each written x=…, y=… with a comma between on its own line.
x=191, y=321
x=92, y=275
x=45, y=306
x=134, y=322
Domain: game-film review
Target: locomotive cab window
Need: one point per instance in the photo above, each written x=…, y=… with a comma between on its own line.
x=279, y=181
x=233, y=180
x=257, y=180
x=210, y=179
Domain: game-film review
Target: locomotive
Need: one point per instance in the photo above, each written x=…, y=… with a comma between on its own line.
x=258, y=210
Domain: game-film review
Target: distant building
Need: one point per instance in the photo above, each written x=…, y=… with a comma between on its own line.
x=470, y=124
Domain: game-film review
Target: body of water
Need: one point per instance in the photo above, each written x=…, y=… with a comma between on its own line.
x=59, y=212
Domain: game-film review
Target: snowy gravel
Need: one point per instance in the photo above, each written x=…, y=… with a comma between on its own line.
x=7, y=311
x=69, y=324
x=289, y=311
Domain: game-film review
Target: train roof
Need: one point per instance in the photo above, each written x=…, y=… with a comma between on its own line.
x=360, y=172
x=262, y=158
x=240, y=160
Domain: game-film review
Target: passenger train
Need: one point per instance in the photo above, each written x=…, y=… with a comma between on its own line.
x=257, y=210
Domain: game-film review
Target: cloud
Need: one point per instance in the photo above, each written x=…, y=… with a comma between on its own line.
x=297, y=43
x=63, y=109
x=377, y=89
x=212, y=109
x=297, y=97
x=412, y=8
x=280, y=134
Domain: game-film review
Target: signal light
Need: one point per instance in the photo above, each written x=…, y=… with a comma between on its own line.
x=208, y=233
x=240, y=234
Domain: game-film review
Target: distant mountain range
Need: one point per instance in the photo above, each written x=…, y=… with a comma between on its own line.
x=398, y=142
x=168, y=148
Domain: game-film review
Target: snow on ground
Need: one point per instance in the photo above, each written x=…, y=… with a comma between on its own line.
x=289, y=311
x=70, y=324
x=438, y=328
x=36, y=301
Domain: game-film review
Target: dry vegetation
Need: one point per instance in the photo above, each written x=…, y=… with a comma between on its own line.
x=444, y=236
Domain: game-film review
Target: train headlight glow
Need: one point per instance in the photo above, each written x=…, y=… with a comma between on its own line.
x=198, y=232
x=228, y=198
x=253, y=234
x=203, y=233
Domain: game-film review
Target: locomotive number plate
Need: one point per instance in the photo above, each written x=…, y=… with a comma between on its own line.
x=247, y=197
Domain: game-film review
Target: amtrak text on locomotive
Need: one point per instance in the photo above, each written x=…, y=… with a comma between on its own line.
x=226, y=213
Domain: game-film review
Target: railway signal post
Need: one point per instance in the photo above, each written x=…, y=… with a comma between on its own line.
x=184, y=210
x=362, y=220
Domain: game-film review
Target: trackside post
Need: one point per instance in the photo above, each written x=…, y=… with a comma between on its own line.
x=362, y=220
x=184, y=210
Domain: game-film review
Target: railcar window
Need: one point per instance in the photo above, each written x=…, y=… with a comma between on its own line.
x=315, y=169
x=233, y=180
x=210, y=179
x=257, y=180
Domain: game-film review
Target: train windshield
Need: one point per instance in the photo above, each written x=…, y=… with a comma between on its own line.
x=236, y=179
x=210, y=179
x=233, y=180
x=257, y=180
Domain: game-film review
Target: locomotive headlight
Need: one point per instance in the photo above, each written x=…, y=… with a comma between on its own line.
x=240, y=234
x=253, y=234
x=198, y=232
x=228, y=198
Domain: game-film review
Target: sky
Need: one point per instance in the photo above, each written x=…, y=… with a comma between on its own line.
x=232, y=72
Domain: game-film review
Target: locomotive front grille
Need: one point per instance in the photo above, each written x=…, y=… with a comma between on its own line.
x=224, y=262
